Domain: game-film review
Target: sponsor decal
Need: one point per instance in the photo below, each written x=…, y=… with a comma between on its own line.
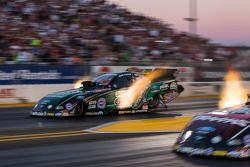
x=101, y=103
x=117, y=101
x=246, y=140
x=244, y=152
x=132, y=111
x=173, y=86
x=50, y=106
x=239, y=153
x=186, y=149
x=145, y=107
x=220, y=153
x=234, y=142
x=92, y=106
x=198, y=138
x=7, y=93
x=69, y=106
x=155, y=91
x=59, y=114
x=205, y=130
x=209, y=151
x=234, y=154
x=50, y=114
x=216, y=139
x=120, y=93
x=39, y=113
x=92, y=103
x=199, y=151
x=65, y=114
x=233, y=121
x=164, y=87
x=94, y=113
x=59, y=108
x=80, y=97
x=29, y=75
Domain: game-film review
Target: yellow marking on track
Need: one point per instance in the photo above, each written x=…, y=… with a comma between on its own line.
x=42, y=136
x=18, y=105
x=150, y=125
x=200, y=97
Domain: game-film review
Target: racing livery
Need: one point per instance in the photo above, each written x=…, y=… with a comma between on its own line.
x=222, y=133
x=101, y=96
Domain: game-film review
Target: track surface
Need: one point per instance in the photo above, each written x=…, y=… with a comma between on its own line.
x=61, y=142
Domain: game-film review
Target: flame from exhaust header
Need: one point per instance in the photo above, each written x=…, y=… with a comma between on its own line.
x=130, y=96
x=233, y=93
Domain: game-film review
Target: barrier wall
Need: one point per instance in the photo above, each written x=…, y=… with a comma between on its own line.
x=29, y=83
x=13, y=94
x=32, y=93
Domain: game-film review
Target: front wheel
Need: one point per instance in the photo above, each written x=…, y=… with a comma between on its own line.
x=79, y=110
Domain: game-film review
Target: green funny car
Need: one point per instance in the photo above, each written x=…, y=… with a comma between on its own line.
x=107, y=94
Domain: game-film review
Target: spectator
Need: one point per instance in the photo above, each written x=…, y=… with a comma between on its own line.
x=73, y=31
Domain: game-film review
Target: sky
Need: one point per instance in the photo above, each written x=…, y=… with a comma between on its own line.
x=223, y=21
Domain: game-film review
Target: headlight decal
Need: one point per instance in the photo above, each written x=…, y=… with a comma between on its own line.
x=185, y=136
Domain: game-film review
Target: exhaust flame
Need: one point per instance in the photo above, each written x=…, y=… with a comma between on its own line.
x=130, y=96
x=233, y=93
x=78, y=83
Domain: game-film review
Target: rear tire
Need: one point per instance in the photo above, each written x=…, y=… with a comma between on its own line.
x=154, y=102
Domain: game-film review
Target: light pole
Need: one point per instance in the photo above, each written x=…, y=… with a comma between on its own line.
x=192, y=19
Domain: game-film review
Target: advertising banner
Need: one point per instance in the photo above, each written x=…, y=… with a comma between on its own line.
x=215, y=74
x=41, y=74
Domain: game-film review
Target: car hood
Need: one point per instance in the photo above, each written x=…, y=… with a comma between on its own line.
x=57, y=98
x=226, y=125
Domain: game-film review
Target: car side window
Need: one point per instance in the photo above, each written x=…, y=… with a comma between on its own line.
x=122, y=81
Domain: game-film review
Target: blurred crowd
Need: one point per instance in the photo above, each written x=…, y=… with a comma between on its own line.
x=93, y=32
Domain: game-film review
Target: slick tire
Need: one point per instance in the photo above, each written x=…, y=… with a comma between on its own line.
x=154, y=102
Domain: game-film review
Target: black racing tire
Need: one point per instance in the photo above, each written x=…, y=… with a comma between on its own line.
x=154, y=102
x=79, y=110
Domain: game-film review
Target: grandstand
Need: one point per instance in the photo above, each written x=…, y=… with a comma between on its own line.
x=94, y=32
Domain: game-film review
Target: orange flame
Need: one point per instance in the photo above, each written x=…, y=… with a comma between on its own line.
x=78, y=83
x=128, y=97
x=233, y=93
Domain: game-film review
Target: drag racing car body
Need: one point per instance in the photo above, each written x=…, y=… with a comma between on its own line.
x=222, y=133
x=101, y=96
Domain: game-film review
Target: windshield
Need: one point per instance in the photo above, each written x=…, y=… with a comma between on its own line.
x=104, y=79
